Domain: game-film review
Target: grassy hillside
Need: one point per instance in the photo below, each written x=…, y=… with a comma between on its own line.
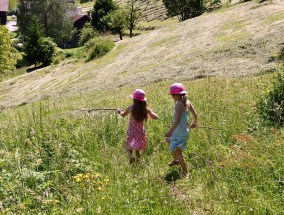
x=57, y=159
x=45, y=146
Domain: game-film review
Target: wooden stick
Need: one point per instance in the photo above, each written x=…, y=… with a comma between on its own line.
x=207, y=127
x=94, y=109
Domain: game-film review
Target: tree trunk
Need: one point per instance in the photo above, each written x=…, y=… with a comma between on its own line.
x=120, y=35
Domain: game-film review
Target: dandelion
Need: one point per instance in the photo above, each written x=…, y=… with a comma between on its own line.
x=100, y=189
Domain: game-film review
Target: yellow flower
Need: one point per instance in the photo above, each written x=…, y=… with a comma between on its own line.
x=78, y=180
x=85, y=176
x=100, y=189
x=97, y=175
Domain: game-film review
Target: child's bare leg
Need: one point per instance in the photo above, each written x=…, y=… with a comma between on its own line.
x=174, y=161
x=138, y=154
x=130, y=156
x=178, y=155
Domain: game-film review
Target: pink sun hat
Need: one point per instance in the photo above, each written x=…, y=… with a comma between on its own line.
x=139, y=94
x=177, y=88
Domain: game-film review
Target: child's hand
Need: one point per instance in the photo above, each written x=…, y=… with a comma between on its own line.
x=168, y=134
x=193, y=125
x=118, y=111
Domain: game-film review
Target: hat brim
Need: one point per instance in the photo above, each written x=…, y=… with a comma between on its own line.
x=175, y=93
x=143, y=100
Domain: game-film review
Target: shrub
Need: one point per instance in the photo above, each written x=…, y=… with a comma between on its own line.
x=46, y=51
x=99, y=47
x=271, y=104
x=86, y=34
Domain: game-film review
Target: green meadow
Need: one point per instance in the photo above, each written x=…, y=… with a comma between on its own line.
x=57, y=159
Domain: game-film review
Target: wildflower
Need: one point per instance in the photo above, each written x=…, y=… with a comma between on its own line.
x=78, y=180
x=100, y=189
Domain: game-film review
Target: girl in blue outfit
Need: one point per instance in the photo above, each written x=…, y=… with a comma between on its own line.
x=178, y=134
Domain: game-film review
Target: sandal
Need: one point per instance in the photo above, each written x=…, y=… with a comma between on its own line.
x=132, y=160
x=173, y=163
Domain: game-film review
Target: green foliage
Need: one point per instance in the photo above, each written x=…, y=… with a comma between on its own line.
x=116, y=20
x=101, y=9
x=47, y=50
x=53, y=15
x=184, y=9
x=54, y=160
x=38, y=49
x=98, y=47
x=8, y=54
x=135, y=10
x=84, y=1
x=271, y=104
x=13, y=5
x=87, y=33
x=212, y=5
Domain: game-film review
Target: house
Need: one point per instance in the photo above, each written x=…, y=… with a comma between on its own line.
x=4, y=9
x=79, y=20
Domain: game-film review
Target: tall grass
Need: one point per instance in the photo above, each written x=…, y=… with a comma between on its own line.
x=58, y=160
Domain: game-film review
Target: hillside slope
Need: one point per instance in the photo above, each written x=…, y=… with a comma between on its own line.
x=232, y=42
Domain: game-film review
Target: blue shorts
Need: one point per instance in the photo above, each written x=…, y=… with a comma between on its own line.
x=180, y=142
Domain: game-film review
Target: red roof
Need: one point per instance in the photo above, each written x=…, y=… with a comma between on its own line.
x=4, y=5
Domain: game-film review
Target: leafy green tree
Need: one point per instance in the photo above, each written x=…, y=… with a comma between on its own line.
x=8, y=54
x=135, y=10
x=184, y=9
x=116, y=20
x=87, y=33
x=12, y=5
x=56, y=17
x=101, y=9
x=38, y=49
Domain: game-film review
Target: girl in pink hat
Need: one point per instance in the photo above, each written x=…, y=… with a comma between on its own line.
x=178, y=134
x=136, y=135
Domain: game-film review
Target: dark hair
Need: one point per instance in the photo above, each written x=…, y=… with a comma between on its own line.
x=139, y=110
x=183, y=98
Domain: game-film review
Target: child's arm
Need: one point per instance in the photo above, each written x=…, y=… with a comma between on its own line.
x=151, y=114
x=179, y=108
x=124, y=113
x=194, y=115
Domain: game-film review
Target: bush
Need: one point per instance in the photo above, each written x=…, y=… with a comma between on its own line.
x=99, y=47
x=47, y=50
x=86, y=34
x=271, y=104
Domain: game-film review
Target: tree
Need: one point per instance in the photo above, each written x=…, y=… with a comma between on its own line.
x=116, y=20
x=8, y=54
x=38, y=49
x=56, y=17
x=184, y=9
x=87, y=33
x=101, y=9
x=12, y=5
x=135, y=10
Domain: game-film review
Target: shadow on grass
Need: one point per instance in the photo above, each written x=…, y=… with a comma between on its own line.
x=35, y=68
x=172, y=176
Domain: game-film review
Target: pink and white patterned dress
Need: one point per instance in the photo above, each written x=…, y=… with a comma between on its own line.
x=136, y=135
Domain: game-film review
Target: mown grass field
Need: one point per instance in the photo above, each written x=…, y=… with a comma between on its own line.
x=58, y=160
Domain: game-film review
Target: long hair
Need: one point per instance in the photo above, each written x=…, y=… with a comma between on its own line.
x=184, y=99
x=139, y=110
